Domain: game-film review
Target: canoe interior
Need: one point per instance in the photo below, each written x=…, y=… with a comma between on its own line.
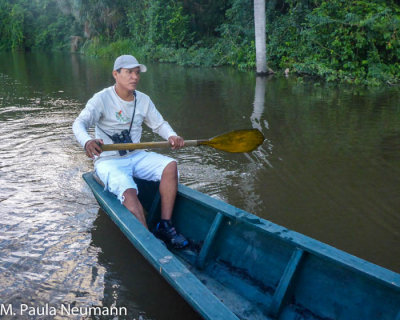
x=260, y=270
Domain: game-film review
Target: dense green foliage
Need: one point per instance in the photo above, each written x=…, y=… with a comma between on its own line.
x=34, y=24
x=353, y=41
x=350, y=41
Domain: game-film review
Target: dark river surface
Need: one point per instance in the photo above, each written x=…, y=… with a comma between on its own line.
x=329, y=168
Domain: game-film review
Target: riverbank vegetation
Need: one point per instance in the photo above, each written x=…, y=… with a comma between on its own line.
x=347, y=41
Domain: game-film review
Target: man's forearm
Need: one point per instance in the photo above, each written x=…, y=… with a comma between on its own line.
x=80, y=132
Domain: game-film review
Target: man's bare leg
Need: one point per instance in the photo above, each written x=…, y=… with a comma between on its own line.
x=132, y=203
x=168, y=190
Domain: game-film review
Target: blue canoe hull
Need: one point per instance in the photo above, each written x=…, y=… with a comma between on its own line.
x=240, y=266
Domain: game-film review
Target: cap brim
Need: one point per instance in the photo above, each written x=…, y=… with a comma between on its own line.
x=142, y=67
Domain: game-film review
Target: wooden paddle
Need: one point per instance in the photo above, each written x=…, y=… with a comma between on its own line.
x=234, y=141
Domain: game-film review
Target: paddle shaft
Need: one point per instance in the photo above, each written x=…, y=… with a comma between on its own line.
x=234, y=141
x=147, y=145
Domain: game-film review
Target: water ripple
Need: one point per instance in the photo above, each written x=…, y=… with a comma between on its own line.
x=45, y=252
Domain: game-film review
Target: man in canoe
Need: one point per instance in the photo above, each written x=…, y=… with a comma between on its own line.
x=117, y=112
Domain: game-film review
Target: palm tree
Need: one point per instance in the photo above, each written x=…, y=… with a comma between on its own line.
x=259, y=24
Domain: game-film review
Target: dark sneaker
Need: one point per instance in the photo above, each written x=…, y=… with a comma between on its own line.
x=167, y=233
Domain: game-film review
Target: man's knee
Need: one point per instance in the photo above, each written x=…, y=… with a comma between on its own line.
x=130, y=196
x=171, y=169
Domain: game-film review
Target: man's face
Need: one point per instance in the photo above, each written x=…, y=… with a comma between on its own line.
x=127, y=79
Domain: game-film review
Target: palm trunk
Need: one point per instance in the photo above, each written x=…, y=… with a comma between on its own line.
x=259, y=24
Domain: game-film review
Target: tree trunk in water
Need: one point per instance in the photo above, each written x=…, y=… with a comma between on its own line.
x=259, y=24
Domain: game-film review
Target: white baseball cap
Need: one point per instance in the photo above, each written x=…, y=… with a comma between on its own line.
x=128, y=62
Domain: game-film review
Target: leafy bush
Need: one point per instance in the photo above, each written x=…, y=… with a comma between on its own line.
x=348, y=41
x=35, y=24
x=159, y=22
x=358, y=40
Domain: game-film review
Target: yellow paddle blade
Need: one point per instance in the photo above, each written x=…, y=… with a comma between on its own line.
x=237, y=141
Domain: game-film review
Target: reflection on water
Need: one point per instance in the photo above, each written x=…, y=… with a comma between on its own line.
x=42, y=229
x=329, y=168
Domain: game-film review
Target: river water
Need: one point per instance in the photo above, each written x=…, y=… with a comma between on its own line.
x=329, y=168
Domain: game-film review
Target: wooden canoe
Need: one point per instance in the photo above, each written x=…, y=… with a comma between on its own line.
x=240, y=266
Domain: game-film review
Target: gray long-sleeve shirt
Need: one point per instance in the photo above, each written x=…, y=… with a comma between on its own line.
x=107, y=111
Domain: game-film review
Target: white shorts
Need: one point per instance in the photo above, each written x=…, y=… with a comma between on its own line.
x=117, y=173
